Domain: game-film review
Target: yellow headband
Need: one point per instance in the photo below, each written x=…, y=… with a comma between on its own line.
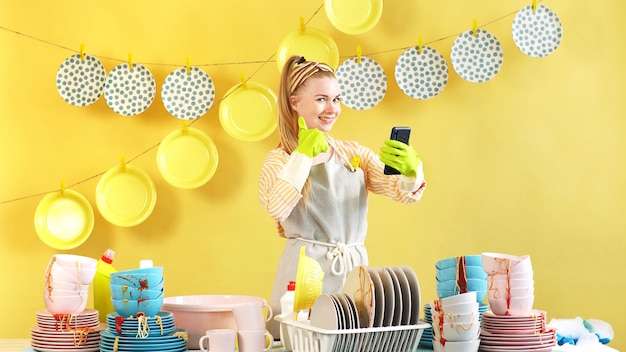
x=305, y=69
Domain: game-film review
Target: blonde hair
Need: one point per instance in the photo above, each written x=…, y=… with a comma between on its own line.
x=296, y=71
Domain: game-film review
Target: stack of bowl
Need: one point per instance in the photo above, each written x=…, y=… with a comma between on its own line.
x=67, y=281
x=462, y=274
x=137, y=290
x=456, y=323
x=511, y=289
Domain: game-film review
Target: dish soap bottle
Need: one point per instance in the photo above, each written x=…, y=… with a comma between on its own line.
x=102, y=285
x=286, y=309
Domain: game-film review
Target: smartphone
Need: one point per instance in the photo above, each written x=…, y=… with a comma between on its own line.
x=401, y=134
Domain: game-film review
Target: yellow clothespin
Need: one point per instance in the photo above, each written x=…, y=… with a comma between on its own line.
x=122, y=164
x=419, y=44
x=188, y=65
x=130, y=61
x=62, y=187
x=475, y=27
x=534, y=5
x=302, y=25
x=358, y=54
x=185, y=129
x=82, y=52
x=244, y=84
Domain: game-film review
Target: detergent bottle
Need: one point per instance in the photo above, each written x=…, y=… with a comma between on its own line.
x=102, y=282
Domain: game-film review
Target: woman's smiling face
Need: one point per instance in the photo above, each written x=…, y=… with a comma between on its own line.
x=318, y=101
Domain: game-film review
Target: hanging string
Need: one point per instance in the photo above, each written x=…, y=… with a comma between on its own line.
x=261, y=63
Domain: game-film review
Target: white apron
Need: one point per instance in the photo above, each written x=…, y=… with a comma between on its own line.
x=332, y=226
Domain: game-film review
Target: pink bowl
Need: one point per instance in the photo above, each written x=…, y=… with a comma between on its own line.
x=497, y=263
x=197, y=314
x=518, y=306
x=513, y=292
x=65, y=304
x=503, y=284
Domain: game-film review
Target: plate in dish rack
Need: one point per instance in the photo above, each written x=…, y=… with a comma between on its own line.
x=360, y=288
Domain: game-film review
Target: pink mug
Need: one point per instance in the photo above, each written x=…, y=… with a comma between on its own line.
x=254, y=340
x=219, y=340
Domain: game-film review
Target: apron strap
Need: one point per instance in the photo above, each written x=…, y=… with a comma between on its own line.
x=339, y=255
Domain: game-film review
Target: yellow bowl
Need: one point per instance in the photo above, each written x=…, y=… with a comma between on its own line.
x=309, y=281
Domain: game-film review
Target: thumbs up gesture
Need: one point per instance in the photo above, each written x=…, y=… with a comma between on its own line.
x=311, y=142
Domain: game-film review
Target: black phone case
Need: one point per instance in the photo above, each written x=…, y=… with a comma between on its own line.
x=401, y=134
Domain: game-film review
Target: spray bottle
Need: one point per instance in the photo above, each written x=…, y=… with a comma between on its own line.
x=102, y=285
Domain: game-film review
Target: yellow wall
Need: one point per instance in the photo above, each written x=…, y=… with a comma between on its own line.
x=531, y=162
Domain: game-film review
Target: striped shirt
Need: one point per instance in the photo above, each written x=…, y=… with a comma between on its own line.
x=279, y=197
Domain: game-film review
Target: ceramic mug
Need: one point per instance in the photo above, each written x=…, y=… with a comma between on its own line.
x=254, y=340
x=250, y=316
x=219, y=340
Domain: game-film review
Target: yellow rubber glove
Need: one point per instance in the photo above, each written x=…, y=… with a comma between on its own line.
x=401, y=157
x=310, y=142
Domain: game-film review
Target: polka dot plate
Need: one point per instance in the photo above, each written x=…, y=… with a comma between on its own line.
x=363, y=85
x=477, y=58
x=188, y=96
x=421, y=75
x=129, y=92
x=81, y=82
x=537, y=33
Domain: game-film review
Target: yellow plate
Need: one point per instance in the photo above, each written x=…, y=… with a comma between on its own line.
x=125, y=197
x=248, y=112
x=187, y=158
x=353, y=16
x=64, y=220
x=312, y=43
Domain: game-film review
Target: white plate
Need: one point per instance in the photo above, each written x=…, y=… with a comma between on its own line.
x=415, y=293
x=360, y=287
x=537, y=33
x=81, y=82
x=323, y=313
x=397, y=290
x=379, y=297
x=188, y=96
x=477, y=58
x=129, y=92
x=406, y=295
x=421, y=75
x=363, y=85
x=389, y=296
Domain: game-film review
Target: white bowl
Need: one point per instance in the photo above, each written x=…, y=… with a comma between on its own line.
x=517, y=306
x=501, y=284
x=497, y=263
x=451, y=318
x=65, y=304
x=72, y=261
x=459, y=308
x=57, y=273
x=199, y=313
x=467, y=297
x=513, y=292
x=461, y=346
x=457, y=332
x=84, y=292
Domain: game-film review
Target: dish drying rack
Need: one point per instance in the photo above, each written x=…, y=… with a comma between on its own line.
x=300, y=336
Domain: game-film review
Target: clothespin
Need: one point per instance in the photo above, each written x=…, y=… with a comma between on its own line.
x=302, y=28
x=188, y=65
x=82, y=52
x=130, y=61
x=122, y=164
x=534, y=5
x=475, y=27
x=244, y=84
x=185, y=129
x=419, y=44
x=62, y=187
x=358, y=54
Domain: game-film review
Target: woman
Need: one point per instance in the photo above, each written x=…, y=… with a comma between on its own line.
x=316, y=187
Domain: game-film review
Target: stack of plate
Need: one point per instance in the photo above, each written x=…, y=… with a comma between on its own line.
x=158, y=325
x=516, y=333
x=67, y=332
x=143, y=333
x=427, y=337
